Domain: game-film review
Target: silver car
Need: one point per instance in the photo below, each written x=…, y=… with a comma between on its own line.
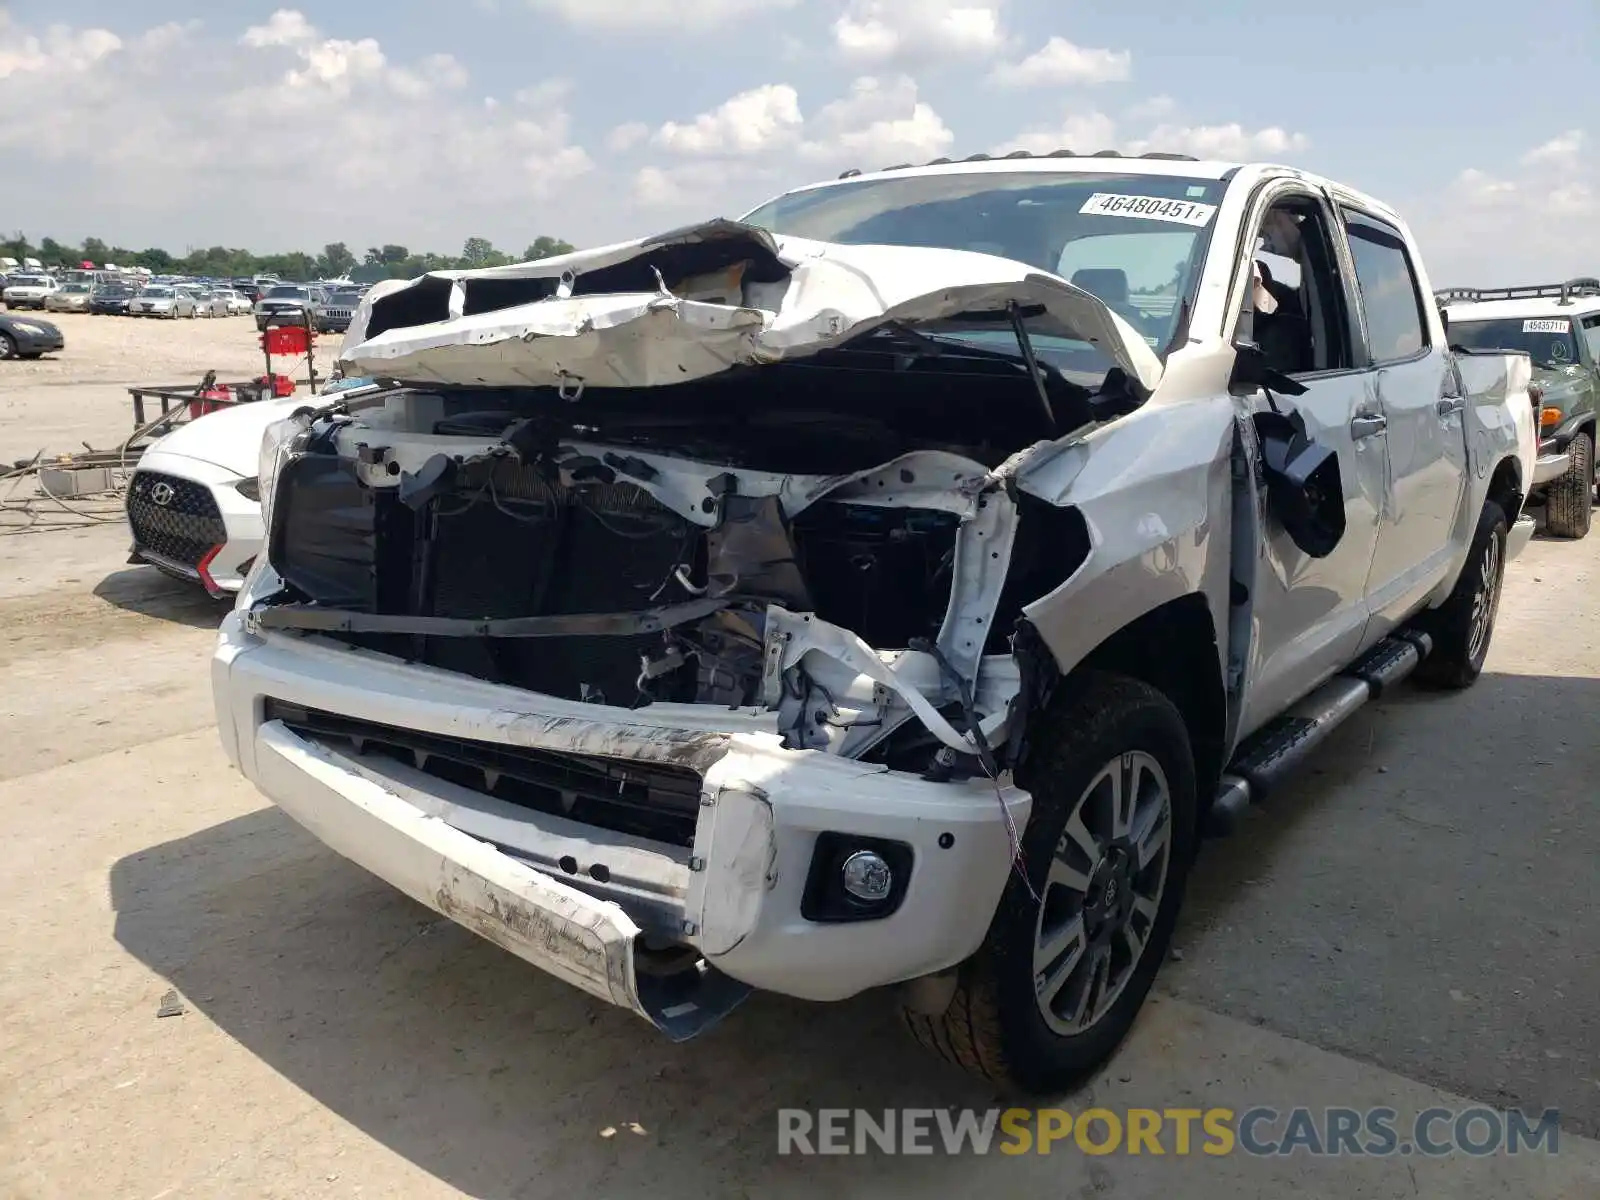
x=162, y=300
x=209, y=303
x=73, y=297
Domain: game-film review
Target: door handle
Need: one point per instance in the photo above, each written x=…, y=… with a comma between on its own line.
x=1450, y=406
x=1368, y=425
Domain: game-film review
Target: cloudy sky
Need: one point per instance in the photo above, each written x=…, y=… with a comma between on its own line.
x=183, y=123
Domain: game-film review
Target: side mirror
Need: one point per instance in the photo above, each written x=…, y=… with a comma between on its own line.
x=1305, y=489
x=1444, y=320
x=1251, y=371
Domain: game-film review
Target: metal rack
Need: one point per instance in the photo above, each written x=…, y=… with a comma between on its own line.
x=1562, y=293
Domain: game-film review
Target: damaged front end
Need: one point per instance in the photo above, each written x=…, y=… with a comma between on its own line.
x=808, y=510
x=669, y=601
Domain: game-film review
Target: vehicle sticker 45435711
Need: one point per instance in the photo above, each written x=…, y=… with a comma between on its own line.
x=1545, y=326
x=1150, y=208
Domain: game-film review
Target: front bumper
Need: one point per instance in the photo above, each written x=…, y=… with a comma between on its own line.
x=1552, y=463
x=226, y=534
x=734, y=895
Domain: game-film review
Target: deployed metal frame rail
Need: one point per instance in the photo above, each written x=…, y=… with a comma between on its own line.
x=1583, y=285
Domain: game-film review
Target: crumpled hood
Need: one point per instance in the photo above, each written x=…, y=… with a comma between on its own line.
x=693, y=303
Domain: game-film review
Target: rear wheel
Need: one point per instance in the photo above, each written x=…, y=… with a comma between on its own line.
x=1075, y=942
x=1569, y=500
x=8, y=346
x=1463, y=625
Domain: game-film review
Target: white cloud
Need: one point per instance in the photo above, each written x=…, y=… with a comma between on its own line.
x=626, y=136
x=877, y=123
x=207, y=132
x=885, y=31
x=286, y=27
x=61, y=50
x=749, y=123
x=1082, y=133
x=1060, y=63
x=656, y=16
x=1228, y=143
x=1560, y=152
x=748, y=148
x=1482, y=190
x=339, y=65
x=1092, y=130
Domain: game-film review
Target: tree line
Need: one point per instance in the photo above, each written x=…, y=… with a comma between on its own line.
x=336, y=259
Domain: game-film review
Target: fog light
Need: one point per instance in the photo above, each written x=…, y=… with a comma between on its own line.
x=867, y=877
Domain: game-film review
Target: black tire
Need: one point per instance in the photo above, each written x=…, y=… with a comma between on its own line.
x=1569, y=500
x=8, y=346
x=994, y=1026
x=1458, y=650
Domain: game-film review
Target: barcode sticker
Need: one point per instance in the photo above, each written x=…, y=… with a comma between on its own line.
x=1149, y=208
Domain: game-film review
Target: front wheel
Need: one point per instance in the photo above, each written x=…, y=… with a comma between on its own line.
x=8, y=346
x=1569, y=500
x=1463, y=625
x=1088, y=911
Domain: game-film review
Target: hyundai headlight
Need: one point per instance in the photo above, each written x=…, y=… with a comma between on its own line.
x=279, y=444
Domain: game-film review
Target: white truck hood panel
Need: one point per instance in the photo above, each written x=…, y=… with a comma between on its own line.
x=831, y=294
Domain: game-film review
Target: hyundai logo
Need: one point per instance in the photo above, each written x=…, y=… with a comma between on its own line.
x=161, y=494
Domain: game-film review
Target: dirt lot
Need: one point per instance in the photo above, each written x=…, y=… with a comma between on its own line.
x=62, y=400
x=1416, y=925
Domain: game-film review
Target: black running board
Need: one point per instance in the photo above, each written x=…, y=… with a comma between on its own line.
x=1282, y=747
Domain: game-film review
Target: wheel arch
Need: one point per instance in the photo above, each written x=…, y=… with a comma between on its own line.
x=1506, y=487
x=1173, y=647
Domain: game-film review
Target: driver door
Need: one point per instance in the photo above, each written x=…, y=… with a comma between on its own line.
x=1310, y=615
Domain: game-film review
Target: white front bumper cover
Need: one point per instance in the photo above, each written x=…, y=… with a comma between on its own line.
x=735, y=895
x=241, y=519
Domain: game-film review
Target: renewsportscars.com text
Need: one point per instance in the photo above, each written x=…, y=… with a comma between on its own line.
x=1259, y=1131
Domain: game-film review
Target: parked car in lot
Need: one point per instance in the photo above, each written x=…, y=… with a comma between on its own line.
x=71, y=297
x=162, y=300
x=235, y=304
x=287, y=303
x=111, y=299
x=338, y=310
x=28, y=291
x=210, y=303
x=193, y=508
x=28, y=337
x=969, y=539
x=1558, y=326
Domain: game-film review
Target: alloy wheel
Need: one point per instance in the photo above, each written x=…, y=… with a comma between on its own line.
x=1102, y=893
x=1484, y=601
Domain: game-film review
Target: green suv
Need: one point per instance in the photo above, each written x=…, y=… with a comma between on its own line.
x=1558, y=324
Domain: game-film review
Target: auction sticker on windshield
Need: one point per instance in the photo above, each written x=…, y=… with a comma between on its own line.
x=1149, y=208
x=1545, y=326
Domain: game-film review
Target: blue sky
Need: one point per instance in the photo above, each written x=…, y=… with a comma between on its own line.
x=425, y=121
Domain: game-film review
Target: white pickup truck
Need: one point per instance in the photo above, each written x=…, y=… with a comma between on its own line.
x=886, y=588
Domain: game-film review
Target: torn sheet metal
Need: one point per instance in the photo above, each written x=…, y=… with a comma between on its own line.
x=480, y=328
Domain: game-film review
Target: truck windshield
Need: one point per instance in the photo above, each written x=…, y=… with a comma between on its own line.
x=1135, y=241
x=1549, y=341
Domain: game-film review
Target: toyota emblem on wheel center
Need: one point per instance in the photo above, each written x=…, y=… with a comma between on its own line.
x=161, y=493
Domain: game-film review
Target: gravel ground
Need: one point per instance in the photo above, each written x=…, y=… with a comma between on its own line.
x=80, y=395
x=1415, y=925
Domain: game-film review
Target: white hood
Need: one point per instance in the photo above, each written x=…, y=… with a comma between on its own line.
x=230, y=438
x=745, y=297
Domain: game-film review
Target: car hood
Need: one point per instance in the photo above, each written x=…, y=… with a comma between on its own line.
x=697, y=302
x=229, y=438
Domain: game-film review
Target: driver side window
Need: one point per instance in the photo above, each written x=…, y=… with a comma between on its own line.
x=1295, y=307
